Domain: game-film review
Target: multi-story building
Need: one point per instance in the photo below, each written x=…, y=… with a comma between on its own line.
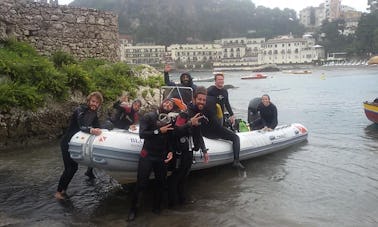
x=312, y=17
x=289, y=50
x=143, y=54
x=235, y=52
x=195, y=53
x=332, y=9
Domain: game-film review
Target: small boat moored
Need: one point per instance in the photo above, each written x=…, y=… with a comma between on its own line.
x=254, y=77
x=371, y=110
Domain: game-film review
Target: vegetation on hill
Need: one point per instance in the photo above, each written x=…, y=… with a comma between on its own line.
x=182, y=21
x=28, y=80
x=191, y=21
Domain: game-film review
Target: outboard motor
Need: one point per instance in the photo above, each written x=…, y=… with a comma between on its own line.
x=252, y=110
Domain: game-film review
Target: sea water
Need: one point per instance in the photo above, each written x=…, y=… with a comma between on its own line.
x=330, y=180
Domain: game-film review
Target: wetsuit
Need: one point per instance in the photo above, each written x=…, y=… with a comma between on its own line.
x=214, y=130
x=221, y=96
x=268, y=117
x=124, y=116
x=185, y=93
x=184, y=133
x=83, y=119
x=154, y=152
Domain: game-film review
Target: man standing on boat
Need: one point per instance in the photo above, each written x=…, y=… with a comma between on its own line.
x=186, y=80
x=156, y=152
x=187, y=137
x=217, y=94
x=83, y=119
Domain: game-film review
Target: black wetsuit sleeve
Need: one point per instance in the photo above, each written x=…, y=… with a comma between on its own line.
x=227, y=104
x=145, y=131
x=274, y=122
x=167, y=81
x=80, y=115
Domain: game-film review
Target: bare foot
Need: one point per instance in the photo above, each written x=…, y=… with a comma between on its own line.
x=59, y=196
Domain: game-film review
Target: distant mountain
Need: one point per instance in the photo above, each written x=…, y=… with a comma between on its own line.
x=190, y=21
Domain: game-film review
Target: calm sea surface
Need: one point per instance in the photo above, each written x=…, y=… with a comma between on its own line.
x=330, y=180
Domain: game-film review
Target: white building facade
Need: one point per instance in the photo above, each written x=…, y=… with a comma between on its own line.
x=289, y=50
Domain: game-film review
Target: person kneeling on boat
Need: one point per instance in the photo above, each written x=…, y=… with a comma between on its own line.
x=125, y=117
x=156, y=152
x=85, y=119
x=267, y=115
x=187, y=137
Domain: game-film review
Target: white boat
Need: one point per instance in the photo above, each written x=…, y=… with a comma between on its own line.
x=117, y=151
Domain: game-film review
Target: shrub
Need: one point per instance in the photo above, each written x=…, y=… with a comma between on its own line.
x=61, y=58
x=19, y=95
x=77, y=78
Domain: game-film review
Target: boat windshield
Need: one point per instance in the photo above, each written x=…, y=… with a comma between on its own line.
x=183, y=93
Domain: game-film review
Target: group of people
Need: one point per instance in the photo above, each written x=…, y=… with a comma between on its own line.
x=169, y=142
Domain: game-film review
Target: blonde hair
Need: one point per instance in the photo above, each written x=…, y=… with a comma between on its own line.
x=96, y=94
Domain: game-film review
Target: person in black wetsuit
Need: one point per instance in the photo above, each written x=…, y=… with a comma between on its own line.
x=187, y=137
x=268, y=115
x=186, y=80
x=154, y=156
x=126, y=115
x=217, y=94
x=84, y=118
x=221, y=94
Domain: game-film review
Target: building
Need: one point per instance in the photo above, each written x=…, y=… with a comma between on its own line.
x=195, y=53
x=143, y=54
x=230, y=52
x=312, y=17
x=332, y=9
x=289, y=50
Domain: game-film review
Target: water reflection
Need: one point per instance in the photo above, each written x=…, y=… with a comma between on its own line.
x=371, y=131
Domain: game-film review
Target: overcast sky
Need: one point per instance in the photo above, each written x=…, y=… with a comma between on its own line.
x=298, y=5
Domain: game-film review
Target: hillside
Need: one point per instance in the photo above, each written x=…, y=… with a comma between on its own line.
x=190, y=21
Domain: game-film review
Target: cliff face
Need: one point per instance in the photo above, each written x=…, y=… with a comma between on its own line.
x=23, y=128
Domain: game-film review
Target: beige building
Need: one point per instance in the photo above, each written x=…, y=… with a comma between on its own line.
x=289, y=50
x=143, y=54
x=333, y=9
x=195, y=53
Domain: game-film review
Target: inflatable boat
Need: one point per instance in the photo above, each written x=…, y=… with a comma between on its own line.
x=117, y=151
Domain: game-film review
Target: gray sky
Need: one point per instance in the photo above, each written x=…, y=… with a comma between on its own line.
x=297, y=5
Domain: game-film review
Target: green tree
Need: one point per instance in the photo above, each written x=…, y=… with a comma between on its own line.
x=366, y=38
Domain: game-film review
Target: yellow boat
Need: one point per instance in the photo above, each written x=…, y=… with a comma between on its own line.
x=371, y=110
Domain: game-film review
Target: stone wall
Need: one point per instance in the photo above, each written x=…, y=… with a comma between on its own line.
x=85, y=33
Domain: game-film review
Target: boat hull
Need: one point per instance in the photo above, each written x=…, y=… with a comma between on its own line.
x=117, y=151
x=371, y=111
